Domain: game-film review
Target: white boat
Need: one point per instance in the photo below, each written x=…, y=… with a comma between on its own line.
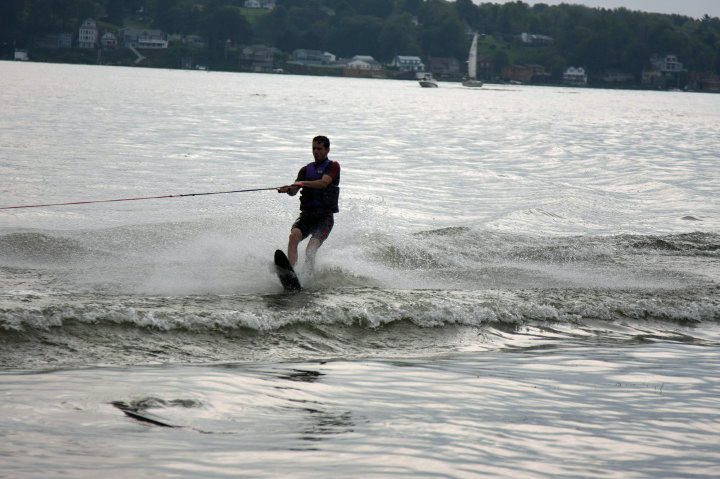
x=471, y=81
x=428, y=81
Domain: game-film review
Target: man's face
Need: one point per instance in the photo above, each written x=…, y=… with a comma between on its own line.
x=319, y=151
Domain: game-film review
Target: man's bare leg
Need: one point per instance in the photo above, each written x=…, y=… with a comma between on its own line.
x=293, y=241
x=310, y=253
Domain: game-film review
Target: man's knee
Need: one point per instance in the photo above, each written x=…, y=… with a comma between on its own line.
x=296, y=235
x=314, y=243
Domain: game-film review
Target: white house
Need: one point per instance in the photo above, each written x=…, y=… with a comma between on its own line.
x=266, y=4
x=148, y=39
x=667, y=64
x=21, y=55
x=363, y=62
x=88, y=34
x=575, y=76
x=309, y=57
x=406, y=63
x=664, y=70
x=535, y=39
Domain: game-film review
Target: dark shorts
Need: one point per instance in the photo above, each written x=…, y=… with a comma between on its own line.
x=317, y=226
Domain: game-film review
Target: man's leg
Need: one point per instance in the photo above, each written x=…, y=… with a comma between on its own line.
x=320, y=234
x=310, y=253
x=296, y=237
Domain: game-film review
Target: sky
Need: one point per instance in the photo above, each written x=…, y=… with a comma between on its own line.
x=690, y=8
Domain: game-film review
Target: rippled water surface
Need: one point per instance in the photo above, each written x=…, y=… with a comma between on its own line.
x=624, y=411
x=522, y=281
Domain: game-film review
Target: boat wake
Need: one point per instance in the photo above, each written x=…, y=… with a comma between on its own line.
x=143, y=295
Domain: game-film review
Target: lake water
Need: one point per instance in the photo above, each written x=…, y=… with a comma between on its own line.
x=522, y=281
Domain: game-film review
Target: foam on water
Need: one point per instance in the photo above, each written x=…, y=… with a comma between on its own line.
x=192, y=283
x=221, y=257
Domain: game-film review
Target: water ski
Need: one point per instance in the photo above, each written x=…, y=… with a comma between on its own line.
x=141, y=415
x=285, y=272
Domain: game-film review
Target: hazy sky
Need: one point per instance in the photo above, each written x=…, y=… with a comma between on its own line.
x=691, y=8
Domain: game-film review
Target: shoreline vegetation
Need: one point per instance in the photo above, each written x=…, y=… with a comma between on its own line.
x=519, y=43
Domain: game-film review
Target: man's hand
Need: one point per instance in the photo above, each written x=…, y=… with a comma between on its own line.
x=290, y=189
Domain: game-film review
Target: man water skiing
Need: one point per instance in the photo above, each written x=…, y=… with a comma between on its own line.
x=319, y=186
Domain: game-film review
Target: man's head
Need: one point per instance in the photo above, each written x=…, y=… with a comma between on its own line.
x=320, y=147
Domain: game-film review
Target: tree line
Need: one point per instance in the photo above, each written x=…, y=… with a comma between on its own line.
x=598, y=39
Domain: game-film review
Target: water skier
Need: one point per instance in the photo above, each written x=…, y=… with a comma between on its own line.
x=319, y=186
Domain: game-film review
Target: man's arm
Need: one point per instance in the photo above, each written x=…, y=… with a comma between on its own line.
x=324, y=181
x=294, y=188
x=315, y=184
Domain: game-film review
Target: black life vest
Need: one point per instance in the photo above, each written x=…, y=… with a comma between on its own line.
x=325, y=200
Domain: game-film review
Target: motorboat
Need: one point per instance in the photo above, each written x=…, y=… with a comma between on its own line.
x=428, y=81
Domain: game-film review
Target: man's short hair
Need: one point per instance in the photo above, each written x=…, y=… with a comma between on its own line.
x=322, y=139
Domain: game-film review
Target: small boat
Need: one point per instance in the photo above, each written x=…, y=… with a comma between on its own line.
x=428, y=81
x=471, y=80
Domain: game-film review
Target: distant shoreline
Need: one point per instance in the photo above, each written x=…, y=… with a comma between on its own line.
x=339, y=74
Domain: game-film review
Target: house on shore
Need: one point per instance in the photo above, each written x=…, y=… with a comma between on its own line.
x=525, y=74
x=146, y=39
x=666, y=64
x=663, y=73
x=266, y=4
x=444, y=67
x=21, y=55
x=311, y=57
x=536, y=40
x=88, y=34
x=108, y=40
x=484, y=66
x=407, y=63
x=704, y=81
x=575, y=76
x=364, y=66
x=259, y=58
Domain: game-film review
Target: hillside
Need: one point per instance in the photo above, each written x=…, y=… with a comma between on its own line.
x=599, y=40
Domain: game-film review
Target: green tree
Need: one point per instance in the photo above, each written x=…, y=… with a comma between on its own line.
x=356, y=35
x=442, y=33
x=163, y=15
x=226, y=23
x=398, y=37
x=468, y=13
x=412, y=7
x=314, y=38
x=115, y=11
x=271, y=27
x=11, y=24
x=500, y=60
x=375, y=8
x=514, y=18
